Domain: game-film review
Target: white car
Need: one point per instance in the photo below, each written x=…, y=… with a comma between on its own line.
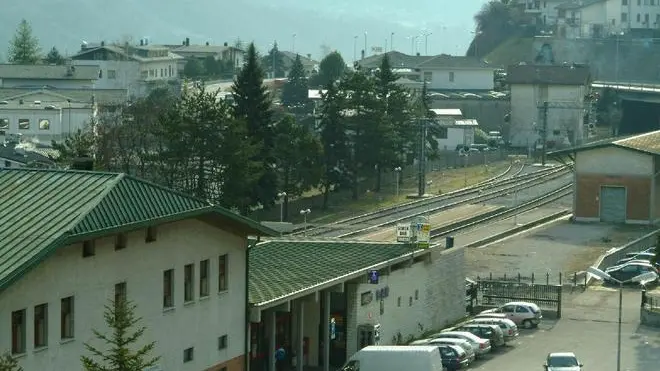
x=564, y=361
x=481, y=346
x=521, y=313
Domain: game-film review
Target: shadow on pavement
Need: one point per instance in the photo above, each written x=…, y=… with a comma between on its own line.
x=647, y=350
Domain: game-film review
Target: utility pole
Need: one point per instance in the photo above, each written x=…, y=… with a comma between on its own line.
x=544, y=133
x=421, y=177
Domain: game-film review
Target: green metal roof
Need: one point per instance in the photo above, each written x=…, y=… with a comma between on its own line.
x=41, y=210
x=648, y=143
x=280, y=268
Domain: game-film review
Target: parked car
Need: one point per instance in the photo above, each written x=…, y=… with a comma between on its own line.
x=626, y=272
x=481, y=346
x=485, y=331
x=646, y=256
x=521, y=313
x=467, y=347
x=395, y=358
x=453, y=357
x=564, y=361
x=508, y=327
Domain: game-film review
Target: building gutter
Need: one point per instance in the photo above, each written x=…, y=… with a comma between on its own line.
x=246, y=364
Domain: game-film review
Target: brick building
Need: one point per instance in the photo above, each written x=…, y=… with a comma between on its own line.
x=616, y=180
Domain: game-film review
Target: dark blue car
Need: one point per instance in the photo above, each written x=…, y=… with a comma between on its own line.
x=453, y=357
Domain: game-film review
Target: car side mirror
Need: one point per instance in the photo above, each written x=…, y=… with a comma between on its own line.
x=581, y=365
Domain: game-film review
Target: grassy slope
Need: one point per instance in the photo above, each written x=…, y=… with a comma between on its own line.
x=512, y=51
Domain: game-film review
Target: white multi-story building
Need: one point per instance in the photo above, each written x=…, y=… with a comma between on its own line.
x=75, y=240
x=563, y=88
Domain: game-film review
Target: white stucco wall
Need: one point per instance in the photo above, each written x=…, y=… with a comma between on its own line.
x=441, y=299
x=91, y=280
x=63, y=121
x=160, y=70
x=57, y=83
x=464, y=79
x=126, y=73
x=456, y=136
x=613, y=161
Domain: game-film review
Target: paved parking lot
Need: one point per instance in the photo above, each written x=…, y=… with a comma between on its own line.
x=589, y=328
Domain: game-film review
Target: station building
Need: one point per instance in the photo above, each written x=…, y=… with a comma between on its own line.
x=616, y=180
x=319, y=299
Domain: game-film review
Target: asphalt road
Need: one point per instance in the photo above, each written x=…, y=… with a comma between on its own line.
x=589, y=329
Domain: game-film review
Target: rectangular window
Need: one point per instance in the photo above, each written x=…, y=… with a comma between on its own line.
x=624, y=17
x=66, y=318
x=144, y=75
x=4, y=124
x=441, y=133
x=18, y=331
x=188, y=283
x=624, y=2
x=112, y=74
x=451, y=77
x=88, y=249
x=23, y=124
x=168, y=288
x=120, y=292
x=41, y=325
x=151, y=234
x=428, y=76
x=121, y=240
x=204, y=278
x=222, y=342
x=222, y=273
x=44, y=124
x=188, y=354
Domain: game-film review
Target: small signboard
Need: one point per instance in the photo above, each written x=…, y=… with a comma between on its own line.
x=423, y=234
x=404, y=233
x=376, y=49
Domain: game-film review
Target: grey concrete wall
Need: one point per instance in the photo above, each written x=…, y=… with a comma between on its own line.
x=649, y=317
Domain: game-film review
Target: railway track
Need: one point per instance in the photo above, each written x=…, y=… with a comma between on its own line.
x=502, y=213
x=470, y=199
x=492, y=188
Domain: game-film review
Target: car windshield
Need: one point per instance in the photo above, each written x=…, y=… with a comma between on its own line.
x=562, y=361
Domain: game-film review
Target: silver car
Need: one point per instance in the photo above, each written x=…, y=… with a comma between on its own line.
x=467, y=347
x=564, y=361
x=509, y=328
x=522, y=313
x=481, y=346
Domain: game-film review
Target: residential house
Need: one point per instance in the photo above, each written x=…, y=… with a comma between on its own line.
x=135, y=68
x=454, y=130
x=44, y=115
x=545, y=11
x=14, y=154
x=563, y=87
x=225, y=53
x=39, y=76
x=90, y=237
x=310, y=66
x=442, y=72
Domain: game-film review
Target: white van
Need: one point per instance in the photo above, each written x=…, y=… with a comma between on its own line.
x=395, y=358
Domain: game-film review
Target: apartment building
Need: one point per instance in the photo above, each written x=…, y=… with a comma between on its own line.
x=75, y=239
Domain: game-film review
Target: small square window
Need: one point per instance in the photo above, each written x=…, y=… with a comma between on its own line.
x=44, y=124
x=188, y=354
x=4, y=124
x=398, y=301
x=121, y=240
x=416, y=294
x=151, y=234
x=410, y=300
x=23, y=124
x=222, y=342
x=89, y=249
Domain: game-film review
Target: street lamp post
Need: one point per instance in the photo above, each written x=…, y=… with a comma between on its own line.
x=304, y=213
x=293, y=45
x=365, y=44
x=281, y=196
x=397, y=170
x=426, y=42
x=642, y=279
x=616, y=57
x=355, y=49
x=428, y=210
x=465, y=163
x=392, y=41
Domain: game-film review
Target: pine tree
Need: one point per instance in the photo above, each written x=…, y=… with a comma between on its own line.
x=331, y=69
x=252, y=105
x=125, y=333
x=9, y=363
x=294, y=92
x=24, y=47
x=334, y=140
x=54, y=57
x=274, y=62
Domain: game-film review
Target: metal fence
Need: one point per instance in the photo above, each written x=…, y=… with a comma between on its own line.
x=575, y=279
x=640, y=244
x=650, y=301
x=496, y=293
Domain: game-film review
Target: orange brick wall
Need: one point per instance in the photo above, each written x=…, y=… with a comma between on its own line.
x=588, y=192
x=234, y=364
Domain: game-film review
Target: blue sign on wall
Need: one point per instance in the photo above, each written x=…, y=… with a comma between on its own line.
x=373, y=277
x=333, y=328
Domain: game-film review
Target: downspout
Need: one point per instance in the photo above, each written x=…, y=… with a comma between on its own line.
x=246, y=366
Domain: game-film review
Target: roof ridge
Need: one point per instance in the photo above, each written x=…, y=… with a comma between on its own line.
x=100, y=197
x=616, y=142
x=169, y=190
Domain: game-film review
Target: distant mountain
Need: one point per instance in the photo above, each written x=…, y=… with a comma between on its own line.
x=65, y=23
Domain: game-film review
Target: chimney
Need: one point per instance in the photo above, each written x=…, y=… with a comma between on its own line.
x=418, y=54
x=141, y=42
x=83, y=163
x=362, y=54
x=102, y=43
x=225, y=44
x=207, y=43
x=187, y=41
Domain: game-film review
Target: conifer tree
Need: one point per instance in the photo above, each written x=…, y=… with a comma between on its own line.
x=54, y=57
x=294, y=92
x=125, y=333
x=9, y=363
x=253, y=105
x=24, y=47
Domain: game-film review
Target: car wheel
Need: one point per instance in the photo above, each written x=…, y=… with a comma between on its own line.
x=527, y=324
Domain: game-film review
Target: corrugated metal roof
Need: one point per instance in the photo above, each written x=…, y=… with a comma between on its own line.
x=48, y=72
x=42, y=210
x=648, y=143
x=447, y=111
x=281, y=268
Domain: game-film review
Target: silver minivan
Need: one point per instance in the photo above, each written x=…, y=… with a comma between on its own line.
x=509, y=328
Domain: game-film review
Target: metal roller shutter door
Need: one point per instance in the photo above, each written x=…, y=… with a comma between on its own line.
x=613, y=204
